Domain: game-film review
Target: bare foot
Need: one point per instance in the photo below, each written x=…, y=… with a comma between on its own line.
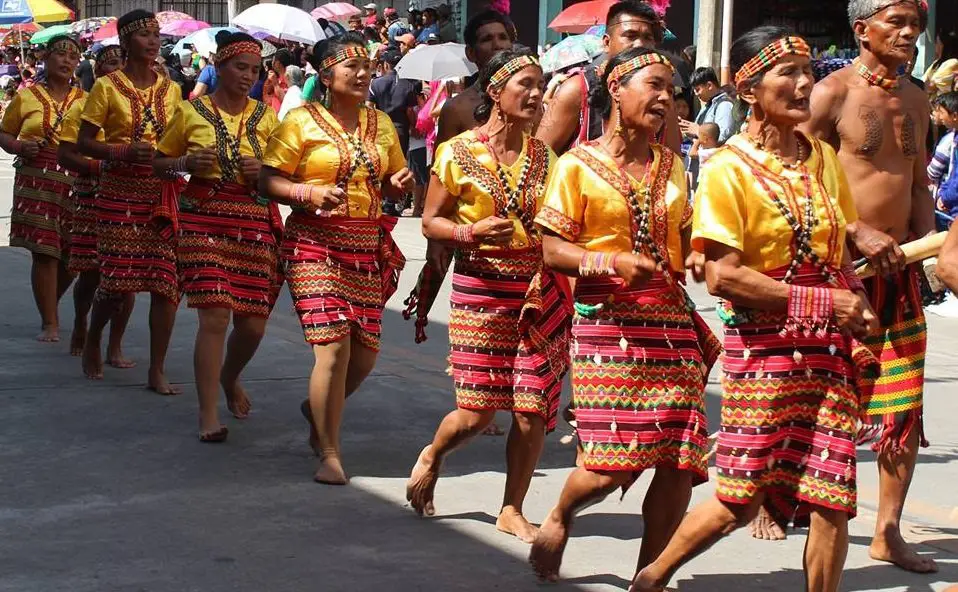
x=119, y=361
x=313, y=434
x=158, y=383
x=644, y=583
x=511, y=521
x=330, y=471
x=421, y=486
x=894, y=549
x=237, y=401
x=92, y=361
x=548, y=547
x=77, y=340
x=764, y=528
x=493, y=429
x=49, y=334
x=215, y=436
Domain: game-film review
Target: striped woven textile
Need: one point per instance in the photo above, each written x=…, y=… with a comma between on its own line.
x=790, y=415
x=639, y=370
x=508, y=333
x=341, y=271
x=227, y=250
x=894, y=400
x=42, y=211
x=133, y=256
x=83, y=234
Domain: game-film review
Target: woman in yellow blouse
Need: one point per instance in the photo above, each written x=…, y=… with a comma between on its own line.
x=228, y=236
x=617, y=217
x=508, y=324
x=131, y=107
x=942, y=75
x=83, y=256
x=770, y=216
x=334, y=162
x=42, y=212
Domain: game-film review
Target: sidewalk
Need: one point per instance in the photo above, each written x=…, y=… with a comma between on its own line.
x=105, y=487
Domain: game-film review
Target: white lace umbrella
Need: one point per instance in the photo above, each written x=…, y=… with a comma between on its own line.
x=435, y=62
x=280, y=21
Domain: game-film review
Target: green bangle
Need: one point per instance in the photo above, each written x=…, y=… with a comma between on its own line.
x=588, y=310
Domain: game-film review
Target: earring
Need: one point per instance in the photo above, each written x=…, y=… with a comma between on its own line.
x=619, y=130
x=499, y=113
x=327, y=99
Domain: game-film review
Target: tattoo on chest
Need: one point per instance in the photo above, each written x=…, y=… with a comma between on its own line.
x=871, y=143
x=909, y=140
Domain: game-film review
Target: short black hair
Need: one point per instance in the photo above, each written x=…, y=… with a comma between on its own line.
x=433, y=12
x=639, y=9
x=948, y=101
x=710, y=129
x=471, y=33
x=703, y=76
x=226, y=38
x=283, y=57
x=391, y=57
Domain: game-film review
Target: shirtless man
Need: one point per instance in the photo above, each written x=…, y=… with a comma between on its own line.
x=629, y=23
x=877, y=122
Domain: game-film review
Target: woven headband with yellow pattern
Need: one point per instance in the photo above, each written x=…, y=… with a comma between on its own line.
x=504, y=73
x=347, y=53
x=771, y=54
x=143, y=23
x=637, y=63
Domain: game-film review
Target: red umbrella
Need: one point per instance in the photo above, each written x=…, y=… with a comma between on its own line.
x=579, y=17
x=105, y=32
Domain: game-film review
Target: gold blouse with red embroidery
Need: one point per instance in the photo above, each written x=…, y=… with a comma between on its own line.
x=128, y=114
x=35, y=115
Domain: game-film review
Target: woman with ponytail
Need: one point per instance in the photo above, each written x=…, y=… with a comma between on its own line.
x=618, y=218
x=334, y=162
x=770, y=216
x=131, y=107
x=508, y=327
x=228, y=240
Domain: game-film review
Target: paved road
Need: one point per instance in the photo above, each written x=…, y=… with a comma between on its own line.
x=103, y=486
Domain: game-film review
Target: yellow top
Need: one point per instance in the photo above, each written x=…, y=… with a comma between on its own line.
x=70, y=129
x=191, y=130
x=116, y=106
x=34, y=115
x=310, y=146
x=467, y=169
x=587, y=202
x=734, y=209
x=942, y=79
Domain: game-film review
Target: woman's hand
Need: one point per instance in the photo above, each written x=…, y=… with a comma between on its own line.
x=403, y=181
x=201, y=161
x=327, y=198
x=634, y=269
x=695, y=263
x=140, y=153
x=494, y=231
x=853, y=314
x=250, y=168
x=29, y=149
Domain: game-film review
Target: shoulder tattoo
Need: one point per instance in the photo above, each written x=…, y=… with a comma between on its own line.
x=909, y=140
x=872, y=141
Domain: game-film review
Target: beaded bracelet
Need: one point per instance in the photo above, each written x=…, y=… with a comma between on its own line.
x=95, y=168
x=301, y=193
x=118, y=152
x=464, y=234
x=809, y=310
x=597, y=264
x=851, y=278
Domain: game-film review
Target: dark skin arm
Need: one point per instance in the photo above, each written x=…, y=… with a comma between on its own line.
x=197, y=162
x=564, y=257
x=449, y=122
x=27, y=148
x=561, y=119
x=89, y=146
x=825, y=102
x=441, y=206
x=947, y=268
x=922, y=205
x=69, y=157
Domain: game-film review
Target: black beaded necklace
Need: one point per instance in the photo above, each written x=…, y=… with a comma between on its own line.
x=641, y=208
x=514, y=198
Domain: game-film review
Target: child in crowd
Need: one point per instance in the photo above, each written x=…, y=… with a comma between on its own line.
x=941, y=169
x=708, y=141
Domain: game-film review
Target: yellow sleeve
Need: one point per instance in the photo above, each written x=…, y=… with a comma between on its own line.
x=396, y=159
x=563, y=209
x=11, y=117
x=97, y=106
x=284, y=151
x=269, y=122
x=175, y=137
x=70, y=128
x=445, y=168
x=719, y=206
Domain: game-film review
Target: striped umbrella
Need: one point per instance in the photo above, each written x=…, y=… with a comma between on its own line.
x=20, y=12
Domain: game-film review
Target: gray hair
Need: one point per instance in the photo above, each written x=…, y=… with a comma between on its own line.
x=295, y=75
x=862, y=10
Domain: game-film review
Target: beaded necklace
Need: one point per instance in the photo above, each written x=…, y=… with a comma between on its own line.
x=641, y=208
x=887, y=84
x=59, y=109
x=148, y=118
x=359, y=157
x=515, y=198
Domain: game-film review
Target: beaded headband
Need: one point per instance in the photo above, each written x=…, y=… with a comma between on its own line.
x=234, y=49
x=143, y=23
x=637, y=63
x=511, y=67
x=108, y=53
x=347, y=53
x=64, y=44
x=771, y=54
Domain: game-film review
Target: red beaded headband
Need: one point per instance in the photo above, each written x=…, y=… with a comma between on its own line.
x=143, y=23
x=771, y=54
x=504, y=73
x=646, y=59
x=349, y=52
x=234, y=49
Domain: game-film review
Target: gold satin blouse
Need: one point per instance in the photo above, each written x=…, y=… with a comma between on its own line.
x=190, y=130
x=115, y=105
x=587, y=203
x=467, y=169
x=733, y=208
x=33, y=114
x=310, y=146
x=70, y=129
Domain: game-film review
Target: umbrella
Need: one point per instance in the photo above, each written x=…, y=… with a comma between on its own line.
x=182, y=28
x=15, y=12
x=577, y=49
x=106, y=31
x=90, y=25
x=579, y=17
x=41, y=37
x=204, y=40
x=280, y=21
x=434, y=62
x=335, y=11
x=168, y=16
x=268, y=49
